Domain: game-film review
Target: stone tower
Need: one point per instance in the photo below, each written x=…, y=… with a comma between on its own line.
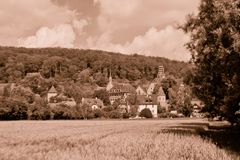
x=161, y=73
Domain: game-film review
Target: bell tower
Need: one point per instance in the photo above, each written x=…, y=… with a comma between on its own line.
x=161, y=73
x=110, y=84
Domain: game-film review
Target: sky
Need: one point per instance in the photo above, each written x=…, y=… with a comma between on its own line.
x=147, y=27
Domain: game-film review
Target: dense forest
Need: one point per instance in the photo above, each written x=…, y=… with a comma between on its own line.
x=75, y=64
x=75, y=73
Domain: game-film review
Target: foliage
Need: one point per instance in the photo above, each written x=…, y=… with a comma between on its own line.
x=160, y=109
x=146, y=113
x=13, y=109
x=215, y=48
x=185, y=110
x=183, y=101
x=103, y=95
x=63, y=112
x=167, y=83
x=133, y=111
x=85, y=66
x=99, y=113
x=85, y=111
x=115, y=114
x=39, y=110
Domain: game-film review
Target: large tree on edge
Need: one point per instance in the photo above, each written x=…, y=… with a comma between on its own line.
x=215, y=48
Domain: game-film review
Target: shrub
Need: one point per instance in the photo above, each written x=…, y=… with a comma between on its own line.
x=126, y=115
x=108, y=109
x=13, y=109
x=99, y=113
x=146, y=113
x=40, y=113
x=115, y=114
x=167, y=115
x=161, y=110
x=63, y=112
x=164, y=115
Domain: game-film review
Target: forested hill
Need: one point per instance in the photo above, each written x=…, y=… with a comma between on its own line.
x=62, y=63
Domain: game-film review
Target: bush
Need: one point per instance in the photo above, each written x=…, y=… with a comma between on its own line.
x=115, y=114
x=126, y=115
x=13, y=109
x=161, y=110
x=146, y=113
x=164, y=115
x=107, y=109
x=167, y=115
x=99, y=113
x=40, y=113
x=63, y=112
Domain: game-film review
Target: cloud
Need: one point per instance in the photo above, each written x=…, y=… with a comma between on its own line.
x=168, y=42
x=22, y=18
x=127, y=19
x=78, y=25
x=127, y=26
x=58, y=36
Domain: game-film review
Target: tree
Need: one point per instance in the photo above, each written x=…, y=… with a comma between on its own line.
x=146, y=113
x=103, y=95
x=13, y=109
x=215, y=48
x=39, y=110
x=74, y=91
x=85, y=111
x=167, y=83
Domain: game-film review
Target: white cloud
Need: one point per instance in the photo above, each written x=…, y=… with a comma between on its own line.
x=121, y=8
x=127, y=26
x=58, y=36
x=168, y=42
x=78, y=25
x=22, y=18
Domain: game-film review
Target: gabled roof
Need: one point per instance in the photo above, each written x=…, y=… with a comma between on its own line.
x=52, y=90
x=123, y=88
x=142, y=99
x=142, y=88
x=161, y=92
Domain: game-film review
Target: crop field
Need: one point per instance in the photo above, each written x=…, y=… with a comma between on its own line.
x=104, y=140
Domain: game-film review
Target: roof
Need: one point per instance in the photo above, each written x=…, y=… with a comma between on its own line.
x=33, y=74
x=161, y=92
x=142, y=88
x=142, y=99
x=92, y=101
x=123, y=88
x=52, y=90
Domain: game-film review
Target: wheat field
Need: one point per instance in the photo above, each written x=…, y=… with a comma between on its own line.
x=103, y=140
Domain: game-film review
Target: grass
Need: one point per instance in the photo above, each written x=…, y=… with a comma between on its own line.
x=104, y=140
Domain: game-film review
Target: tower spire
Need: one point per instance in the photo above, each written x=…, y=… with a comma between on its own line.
x=110, y=76
x=109, y=85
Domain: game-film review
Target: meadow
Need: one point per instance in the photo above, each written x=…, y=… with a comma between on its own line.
x=105, y=140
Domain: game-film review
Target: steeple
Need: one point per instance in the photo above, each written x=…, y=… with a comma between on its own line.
x=110, y=76
x=110, y=84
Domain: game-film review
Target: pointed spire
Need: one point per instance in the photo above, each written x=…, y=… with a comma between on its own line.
x=109, y=85
x=110, y=76
x=52, y=90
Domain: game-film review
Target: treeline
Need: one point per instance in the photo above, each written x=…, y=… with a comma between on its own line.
x=78, y=65
x=17, y=108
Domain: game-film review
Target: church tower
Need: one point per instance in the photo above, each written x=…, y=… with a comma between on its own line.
x=110, y=84
x=161, y=73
